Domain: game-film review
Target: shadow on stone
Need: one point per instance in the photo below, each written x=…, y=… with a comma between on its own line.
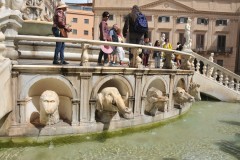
x=231, y=122
x=231, y=147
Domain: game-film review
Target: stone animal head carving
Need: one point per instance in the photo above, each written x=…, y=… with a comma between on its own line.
x=194, y=90
x=155, y=101
x=109, y=99
x=49, y=103
x=181, y=97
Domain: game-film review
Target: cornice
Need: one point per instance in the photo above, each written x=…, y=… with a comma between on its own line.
x=99, y=9
x=153, y=4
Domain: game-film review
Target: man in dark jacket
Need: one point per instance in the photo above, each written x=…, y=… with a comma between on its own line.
x=59, y=21
x=128, y=29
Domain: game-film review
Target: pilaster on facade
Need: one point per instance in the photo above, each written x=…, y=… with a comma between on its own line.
x=14, y=97
x=75, y=112
x=20, y=112
x=138, y=92
x=85, y=95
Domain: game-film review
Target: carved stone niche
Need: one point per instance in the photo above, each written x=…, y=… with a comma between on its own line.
x=49, y=102
x=155, y=102
x=110, y=104
x=182, y=98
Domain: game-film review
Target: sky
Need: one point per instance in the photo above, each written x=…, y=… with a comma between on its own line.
x=75, y=1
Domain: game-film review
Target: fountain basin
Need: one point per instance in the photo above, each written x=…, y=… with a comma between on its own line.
x=39, y=28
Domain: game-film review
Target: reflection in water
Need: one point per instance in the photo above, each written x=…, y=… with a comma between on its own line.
x=209, y=131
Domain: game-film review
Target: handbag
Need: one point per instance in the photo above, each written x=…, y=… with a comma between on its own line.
x=63, y=32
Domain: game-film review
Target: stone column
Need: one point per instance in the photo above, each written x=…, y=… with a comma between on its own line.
x=84, y=101
x=131, y=103
x=138, y=95
x=22, y=103
x=75, y=112
x=15, y=113
x=2, y=45
x=92, y=110
x=174, y=33
x=144, y=99
x=171, y=88
x=97, y=20
x=12, y=26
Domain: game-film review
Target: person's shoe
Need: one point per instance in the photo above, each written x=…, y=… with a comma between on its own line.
x=64, y=62
x=56, y=62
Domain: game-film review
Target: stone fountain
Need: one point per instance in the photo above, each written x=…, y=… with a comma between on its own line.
x=81, y=98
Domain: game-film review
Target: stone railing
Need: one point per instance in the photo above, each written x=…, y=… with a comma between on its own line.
x=216, y=73
x=187, y=59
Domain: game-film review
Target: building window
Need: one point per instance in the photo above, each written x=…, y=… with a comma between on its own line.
x=181, y=38
x=86, y=21
x=200, y=42
x=202, y=21
x=110, y=17
x=163, y=19
x=220, y=62
x=149, y=18
x=166, y=35
x=74, y=31
x=221, y=43
x=74, y=20
x=221, y=22
x=182, y=20
x=85, y=32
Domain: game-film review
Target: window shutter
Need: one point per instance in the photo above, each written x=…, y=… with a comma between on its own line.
x=206, y=21
x=178, y=20
x=168, y=19
x=199, y=21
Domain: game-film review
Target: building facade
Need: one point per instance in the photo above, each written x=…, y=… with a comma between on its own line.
x=215, y=24
x=81, y=20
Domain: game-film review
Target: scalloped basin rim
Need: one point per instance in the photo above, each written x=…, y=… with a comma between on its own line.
x=33, y=27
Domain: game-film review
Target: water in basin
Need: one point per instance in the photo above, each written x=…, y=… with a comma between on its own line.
x=209, y=131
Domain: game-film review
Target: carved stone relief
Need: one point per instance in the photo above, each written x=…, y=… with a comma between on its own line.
x=33, y=10
x=109, y=101
x=155, y=101
x=49, y=102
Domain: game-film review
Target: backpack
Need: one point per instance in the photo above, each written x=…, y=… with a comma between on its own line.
x=141, y=24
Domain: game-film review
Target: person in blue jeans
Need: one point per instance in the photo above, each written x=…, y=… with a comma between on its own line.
x=59, y=20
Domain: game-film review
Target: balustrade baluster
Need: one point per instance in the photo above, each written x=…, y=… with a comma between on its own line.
x=209, y=71
x=237, y=86
x=198, y=66
x=204, y=70
x=215, y=75
x=226, y=80
x=231, y=84
x=221, y=78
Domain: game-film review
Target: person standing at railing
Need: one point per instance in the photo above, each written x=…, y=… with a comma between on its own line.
x=135, y=28
x=104, y=36
x=60, y=29
x=146, y=52
x=157, y=54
